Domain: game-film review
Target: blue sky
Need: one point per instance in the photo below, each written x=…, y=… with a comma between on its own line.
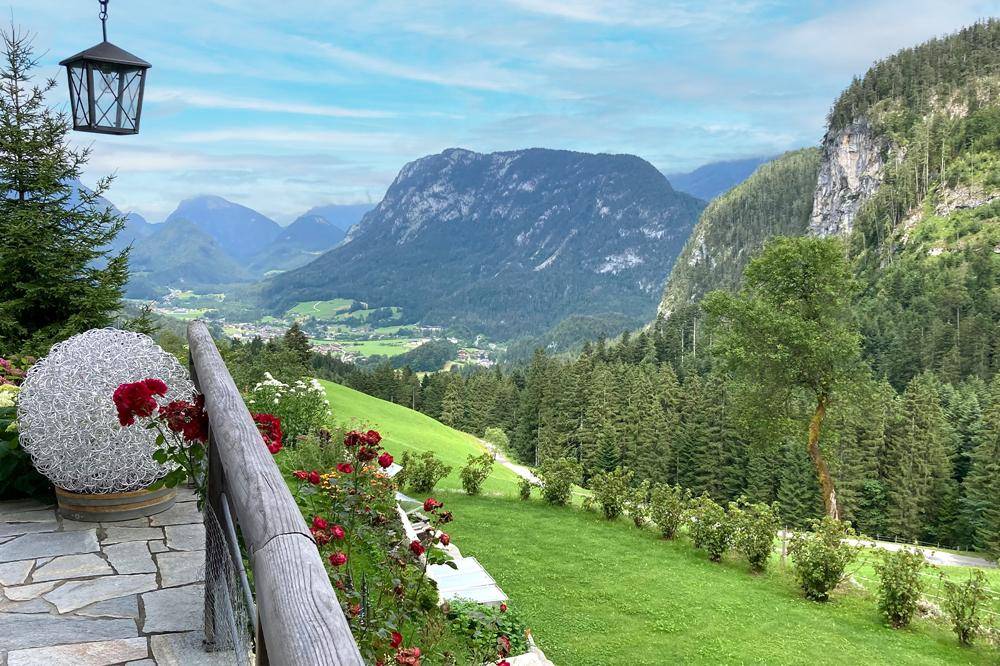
x=285, y=105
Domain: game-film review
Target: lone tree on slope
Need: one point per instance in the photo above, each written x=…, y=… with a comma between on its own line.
x=789, y=332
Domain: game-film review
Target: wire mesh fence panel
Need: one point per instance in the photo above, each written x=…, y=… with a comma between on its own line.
x=228, y=625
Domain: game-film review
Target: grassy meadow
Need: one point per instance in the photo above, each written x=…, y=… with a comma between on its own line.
x=599, y=593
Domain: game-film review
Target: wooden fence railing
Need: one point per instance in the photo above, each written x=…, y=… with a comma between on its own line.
x=298, y=618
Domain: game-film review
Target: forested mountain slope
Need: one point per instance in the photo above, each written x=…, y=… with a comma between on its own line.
x=909, y=175
x=776, y=200
x=508, y=243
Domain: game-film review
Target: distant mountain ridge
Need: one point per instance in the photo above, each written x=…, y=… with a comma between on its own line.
x=240, y=231
x=508, y=242
x=298, y=244
x=710, y=180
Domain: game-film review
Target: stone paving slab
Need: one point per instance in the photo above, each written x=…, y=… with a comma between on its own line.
x=49, y=544
x=173, y=609
x=130, y=557
x=19, y=631
x=97, y=653
x=102, y=594
x=72, y=566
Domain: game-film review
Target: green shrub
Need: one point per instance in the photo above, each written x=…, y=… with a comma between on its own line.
x=302, y=407
x=964, y=605
x=711, y=528
x=422, y=472
x=18, y=476
x=558, y=476
x=319, y=450
x=475, y=472
x=637, y=504
x=483, y=626
x=899, y=587
x=666, y=508
x=611, y=490
x=820, y=557
x=524, y=488
x=755, y=527
x=498, y=438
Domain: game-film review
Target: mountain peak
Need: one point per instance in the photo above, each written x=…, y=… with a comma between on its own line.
x=239, y=230
x=509, y=242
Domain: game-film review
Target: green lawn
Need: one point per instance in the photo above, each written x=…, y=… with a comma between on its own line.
x=599, y=593
x=321, y=309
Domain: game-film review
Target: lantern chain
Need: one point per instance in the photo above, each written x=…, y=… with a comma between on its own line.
x=104, y=18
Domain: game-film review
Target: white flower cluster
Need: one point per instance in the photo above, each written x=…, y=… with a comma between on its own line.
x=301, y=406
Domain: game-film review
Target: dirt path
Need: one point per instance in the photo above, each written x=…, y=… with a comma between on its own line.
x=520, y=470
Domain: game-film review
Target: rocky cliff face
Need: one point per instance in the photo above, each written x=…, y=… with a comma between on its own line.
x=851, y=170
x=508, y=243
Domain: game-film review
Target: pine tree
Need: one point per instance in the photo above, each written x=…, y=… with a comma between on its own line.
x=525, y=440
x=981, y=504
x=921, y=492
x=57, y=276
x=798, y=490
x=297, y=341
x=453, y=404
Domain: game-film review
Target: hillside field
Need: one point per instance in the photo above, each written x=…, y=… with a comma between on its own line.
x=598, y=593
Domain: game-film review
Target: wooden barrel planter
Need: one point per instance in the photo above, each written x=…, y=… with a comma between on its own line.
x=104, y=507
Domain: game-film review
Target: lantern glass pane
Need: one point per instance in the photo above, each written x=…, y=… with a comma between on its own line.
x=116, y=96
x=78, y=94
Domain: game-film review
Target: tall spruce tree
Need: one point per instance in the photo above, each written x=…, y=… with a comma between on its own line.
x=981, y=504
x=57, y=276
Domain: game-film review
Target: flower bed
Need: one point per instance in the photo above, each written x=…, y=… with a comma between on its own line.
x=380, y=574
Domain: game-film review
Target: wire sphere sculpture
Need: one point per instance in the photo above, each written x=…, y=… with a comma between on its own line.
x=67, y=418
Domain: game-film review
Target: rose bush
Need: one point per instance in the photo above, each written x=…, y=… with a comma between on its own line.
x=611, y=491
x=558, y=477
x=182, y=430
x=379, y=573
x=900, y=584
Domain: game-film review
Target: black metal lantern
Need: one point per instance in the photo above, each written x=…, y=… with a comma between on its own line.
x=105, y=86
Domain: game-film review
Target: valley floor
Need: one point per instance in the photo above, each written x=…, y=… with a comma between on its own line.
x=601, y=593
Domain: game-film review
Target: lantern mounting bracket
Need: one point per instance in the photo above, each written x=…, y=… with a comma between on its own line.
x=104, y=18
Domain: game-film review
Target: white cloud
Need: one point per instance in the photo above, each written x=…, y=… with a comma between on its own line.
x=197, y=98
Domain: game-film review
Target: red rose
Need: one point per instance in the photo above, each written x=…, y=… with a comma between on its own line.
x=352, y=439
x=503, y=663
x=269, y=427
x=322, y=538
x=397, y=640
x=503, y=646
x=373, y=438
x=300, y=474
x=445, y=539
x=314, y=478
x=384, y=460
x=319, y=523
x=430, y=504
x=365, y=454
x=136, y=400
x=408, y=657
x=338, y=559
x=445, y=516
x=345, y=468
x=416, y=548
x=155, y=386
x=503, y=608
x=338, y=532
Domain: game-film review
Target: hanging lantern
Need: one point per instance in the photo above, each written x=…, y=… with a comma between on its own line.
x=105, y=86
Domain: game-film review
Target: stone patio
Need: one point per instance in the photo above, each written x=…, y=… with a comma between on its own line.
x=96, y=594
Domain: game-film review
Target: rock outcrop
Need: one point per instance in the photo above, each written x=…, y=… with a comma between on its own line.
x=850, y=171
